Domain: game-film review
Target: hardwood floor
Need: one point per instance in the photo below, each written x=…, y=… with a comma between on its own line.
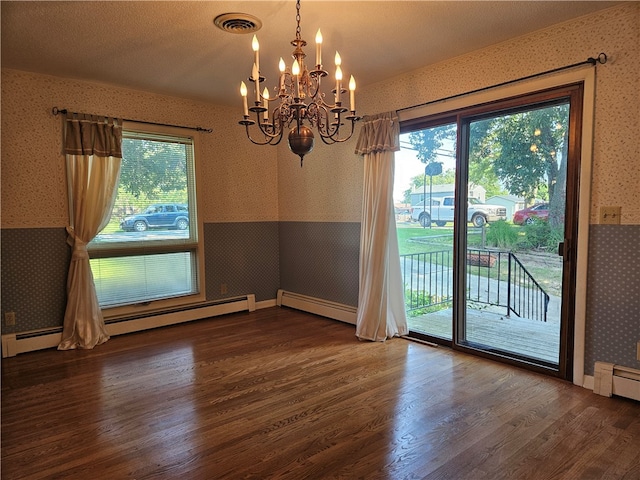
x=278, y=393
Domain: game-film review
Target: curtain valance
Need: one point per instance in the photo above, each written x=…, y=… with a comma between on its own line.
x=379, y=133
x=93, y=135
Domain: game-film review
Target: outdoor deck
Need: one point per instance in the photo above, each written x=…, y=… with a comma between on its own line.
x=530, y=338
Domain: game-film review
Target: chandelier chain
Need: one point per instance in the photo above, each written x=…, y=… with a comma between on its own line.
x=298, y=31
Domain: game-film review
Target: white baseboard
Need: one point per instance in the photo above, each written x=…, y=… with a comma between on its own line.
x=318, y=306
x=266, y=304
x=610, y=379
x=13, y=344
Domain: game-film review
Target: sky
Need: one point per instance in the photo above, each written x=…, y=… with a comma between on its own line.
x=408, y=166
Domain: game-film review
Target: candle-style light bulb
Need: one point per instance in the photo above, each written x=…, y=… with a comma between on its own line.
x=338, y=82
x=295, y=70
x=352, y=93
x=243, y=92
x=256, y=78
x=319, y=48
x=265, y=96
x=256, y=51
x=282, y=67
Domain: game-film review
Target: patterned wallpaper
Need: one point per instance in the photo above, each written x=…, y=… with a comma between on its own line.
x=35, y=262
x=328, y=188
x=238, y=179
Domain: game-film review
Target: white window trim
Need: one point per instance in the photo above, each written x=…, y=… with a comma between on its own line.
x=587, y=75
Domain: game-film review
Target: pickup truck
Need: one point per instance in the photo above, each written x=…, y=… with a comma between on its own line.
x=442, y=211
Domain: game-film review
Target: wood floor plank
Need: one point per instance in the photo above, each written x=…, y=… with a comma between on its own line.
x=279, y=393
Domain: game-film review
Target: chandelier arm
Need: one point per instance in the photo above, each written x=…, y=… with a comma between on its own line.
x=264, y=129
x=270, y=138
x=333, y=138
x=330, y=127
x=275, y=140
x=267, y=141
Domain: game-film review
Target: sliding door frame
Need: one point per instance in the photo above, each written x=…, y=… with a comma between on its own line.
x=453, y=110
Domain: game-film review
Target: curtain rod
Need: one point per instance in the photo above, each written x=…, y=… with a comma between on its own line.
x=601, y=59
x=56, y=111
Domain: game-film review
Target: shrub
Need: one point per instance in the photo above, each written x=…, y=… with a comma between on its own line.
x=428, y=303
x=540, y=234
x=501, y=234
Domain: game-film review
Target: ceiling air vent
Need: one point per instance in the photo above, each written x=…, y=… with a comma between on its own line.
x=237, y=23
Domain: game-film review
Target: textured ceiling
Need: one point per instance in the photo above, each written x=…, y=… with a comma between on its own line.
x=174, y=48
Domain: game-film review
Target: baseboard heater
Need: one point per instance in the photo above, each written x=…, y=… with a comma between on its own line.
x=13, y=344
x=610, y=379
x=318, y=306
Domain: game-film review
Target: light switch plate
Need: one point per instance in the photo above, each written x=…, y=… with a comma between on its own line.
x=610, y=215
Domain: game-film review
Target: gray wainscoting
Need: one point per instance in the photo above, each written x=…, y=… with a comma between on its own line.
x=320, y=259
x=242, y=256
x=35, y=262
x=613, y=296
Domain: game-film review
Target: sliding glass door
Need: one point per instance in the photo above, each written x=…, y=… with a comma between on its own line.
x=487, y=222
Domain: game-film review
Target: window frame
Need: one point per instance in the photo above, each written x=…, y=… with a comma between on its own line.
x=122, y=249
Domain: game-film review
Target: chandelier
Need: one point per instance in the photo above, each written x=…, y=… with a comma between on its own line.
x=301, y=102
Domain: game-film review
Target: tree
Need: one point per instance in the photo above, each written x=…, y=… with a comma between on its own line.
x=428, y=142
x=152, y=169
x=528, y=151
x=481, y=160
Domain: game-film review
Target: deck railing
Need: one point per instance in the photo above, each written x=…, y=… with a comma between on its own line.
x=493, y=278
x=427, y=279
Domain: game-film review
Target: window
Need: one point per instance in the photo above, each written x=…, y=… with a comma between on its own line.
x=149, y=255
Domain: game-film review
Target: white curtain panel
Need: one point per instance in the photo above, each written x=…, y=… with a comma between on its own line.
x=93, y=147
x=381, y=312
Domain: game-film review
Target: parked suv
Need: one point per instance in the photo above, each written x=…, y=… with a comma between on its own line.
x=165, y=215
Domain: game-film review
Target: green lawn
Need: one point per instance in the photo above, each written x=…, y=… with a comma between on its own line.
x=415, y=239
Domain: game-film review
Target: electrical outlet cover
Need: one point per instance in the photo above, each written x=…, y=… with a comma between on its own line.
x=10, y=318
